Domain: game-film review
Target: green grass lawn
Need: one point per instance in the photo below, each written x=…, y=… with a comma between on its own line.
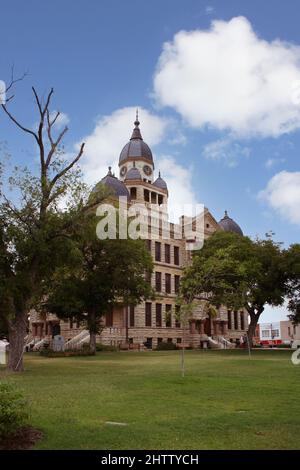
x=226, y=401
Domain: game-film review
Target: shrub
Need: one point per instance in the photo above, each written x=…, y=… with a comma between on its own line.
x=14, y=410
x=103, y=347
x=163, y=346
x=69, y=353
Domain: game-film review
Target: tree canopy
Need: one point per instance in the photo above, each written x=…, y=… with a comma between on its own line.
x=239, y=273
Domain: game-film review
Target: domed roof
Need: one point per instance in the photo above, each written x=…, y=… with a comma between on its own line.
x=160, y=182
x=118, y=187
x=229, y=225
x=133, y=174
x=136, y=147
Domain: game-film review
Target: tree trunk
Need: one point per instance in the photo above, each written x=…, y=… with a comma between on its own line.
x=16, y=335
x=254, y=317
x=92, y=342
x=92, y=321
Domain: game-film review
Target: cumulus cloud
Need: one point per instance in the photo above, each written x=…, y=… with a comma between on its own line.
x=62, y=120
x=182, y=197
x=231, y=79
x=283, y=195
x=104, y=144
x=226, y=150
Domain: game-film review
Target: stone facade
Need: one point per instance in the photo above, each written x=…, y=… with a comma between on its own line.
x=153, y=321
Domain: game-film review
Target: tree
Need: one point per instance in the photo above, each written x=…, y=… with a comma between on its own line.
x=293, y=294
x=34, y=230
x=100, y=275
x=239, y=273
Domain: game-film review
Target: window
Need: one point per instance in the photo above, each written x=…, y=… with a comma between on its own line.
x=229, y=319
x=148, y=245
x=236, y=322
x=242, y=321
x=146, y=195
x=153, y=198
x=170, y=340
x=167, y=253
x=159, y=340
x=179, y=340
x=71, y=323
x=133, y=193
x=148, y=277
x=158, y=315
x=176, y=255
x=160, y=199
x=158, y=282
x=168, y=316
x=168, y=283
x=177, y=313
x=157, y=251
x=131, y=316
x=148, y=319
x=177, y=283
x=289, y=331
x=265, y=334
x=109, y=319
x=275, y=333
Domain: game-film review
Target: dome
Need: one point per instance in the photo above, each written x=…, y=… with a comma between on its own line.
x=118, y=187
x=133, y=174
x=160, y=183
x=136, y=147
x=229, y=225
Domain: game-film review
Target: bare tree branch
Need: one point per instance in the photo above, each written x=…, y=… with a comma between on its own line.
x=68, y=167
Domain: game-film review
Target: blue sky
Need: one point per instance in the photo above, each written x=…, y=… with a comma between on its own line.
x=104, y=58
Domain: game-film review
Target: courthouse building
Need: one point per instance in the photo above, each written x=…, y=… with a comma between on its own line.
x=153, y=321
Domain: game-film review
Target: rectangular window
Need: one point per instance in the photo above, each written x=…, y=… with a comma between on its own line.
x=177, y=317
x=177, y=283
x=168, y=316
x=179, y=340
x=170, y=340
x=148, y=318
x=168, y=283
x=71, y=323
x=229, y=319
x=176, y=255
x=153, y=198
x=158, y=315
x=131, y=316
x=160, y=199
x=148, y=276
x=157, y=251
x=109, y=319
x=275, y=333
x=133, y=193
x=167, y=253
x=236, y=321
x=158, y=282
x=146, y=195
x=265, y=333
x=148, y=245
x=159, y=340
x=242, y=321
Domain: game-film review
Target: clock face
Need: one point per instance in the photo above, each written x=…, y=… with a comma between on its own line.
x=147, y=170
x=123, y=171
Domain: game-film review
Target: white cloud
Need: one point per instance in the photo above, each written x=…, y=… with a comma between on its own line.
x=229, y=78
x=226, y=150
x=209, y=9
x=62, y=120
x=111, y=133
x=271, y=162
x=179, y=180
x=283, y=195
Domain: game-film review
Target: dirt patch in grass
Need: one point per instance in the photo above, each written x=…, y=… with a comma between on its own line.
x=24, y=438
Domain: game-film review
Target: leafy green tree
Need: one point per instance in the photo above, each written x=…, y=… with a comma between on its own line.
x=239, y=273
x=34, y=229
x=293, y=295
x=99, y=275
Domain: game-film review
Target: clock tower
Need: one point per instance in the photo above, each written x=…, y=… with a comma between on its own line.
x=136, y=155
